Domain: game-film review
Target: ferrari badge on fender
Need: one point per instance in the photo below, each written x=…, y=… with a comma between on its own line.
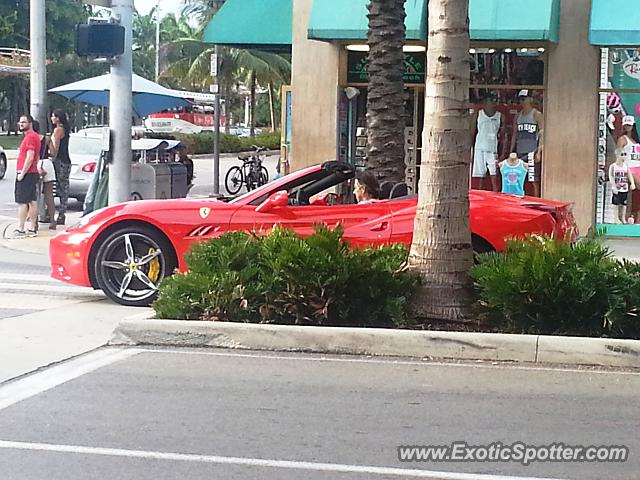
x=204, y=212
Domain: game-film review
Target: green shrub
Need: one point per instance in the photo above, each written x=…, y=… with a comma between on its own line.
x=202, y=143
x=283, y=278
x=268, y=139
x=545, y=286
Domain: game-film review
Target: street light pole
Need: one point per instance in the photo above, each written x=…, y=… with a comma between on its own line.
x=216, y=132
x=120, y=108
x=38, y=48
x=158, y=41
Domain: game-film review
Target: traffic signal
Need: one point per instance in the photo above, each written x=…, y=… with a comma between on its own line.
x=99, y=40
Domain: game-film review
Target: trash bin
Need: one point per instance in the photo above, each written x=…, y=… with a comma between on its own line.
x=163, y=180
x=143, y=182
x=178, y=179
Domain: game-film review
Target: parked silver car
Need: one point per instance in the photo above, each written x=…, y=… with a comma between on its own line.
x=3, y=163
x=85, y=147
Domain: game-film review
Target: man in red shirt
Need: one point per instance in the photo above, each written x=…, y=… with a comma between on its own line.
x=26, y=190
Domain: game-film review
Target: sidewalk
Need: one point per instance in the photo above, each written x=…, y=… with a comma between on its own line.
x=39, y=244
x=34, y=341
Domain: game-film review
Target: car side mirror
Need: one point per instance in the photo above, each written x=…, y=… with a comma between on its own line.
x=277, y=199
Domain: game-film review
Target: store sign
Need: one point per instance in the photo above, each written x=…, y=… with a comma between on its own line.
x=414, y=67
x=632, y=68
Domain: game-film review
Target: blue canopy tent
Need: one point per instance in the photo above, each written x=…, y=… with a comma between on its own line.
x=148, y=97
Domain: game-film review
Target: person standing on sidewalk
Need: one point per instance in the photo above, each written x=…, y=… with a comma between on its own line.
x=26, y=188
x=59, y=149
x=48, y=176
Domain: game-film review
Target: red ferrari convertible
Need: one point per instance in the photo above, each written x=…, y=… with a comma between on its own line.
x=127, y=249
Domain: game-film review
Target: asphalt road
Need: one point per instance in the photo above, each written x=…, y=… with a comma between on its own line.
x=219, y=414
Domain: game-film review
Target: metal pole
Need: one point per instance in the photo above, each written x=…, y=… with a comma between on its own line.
x=120, y=109
x=38, y=64
x=216, y=133
x=157, y=41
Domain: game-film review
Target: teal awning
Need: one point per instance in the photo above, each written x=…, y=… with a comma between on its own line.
x=264, y=24
x=614, y=23
x=347, y=20
x=514, y=20
x=497, y=20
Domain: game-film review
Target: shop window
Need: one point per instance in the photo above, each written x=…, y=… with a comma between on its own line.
x=618, y=204
x=506, y=76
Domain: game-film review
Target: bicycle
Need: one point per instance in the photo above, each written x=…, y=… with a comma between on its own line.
x=252, y=173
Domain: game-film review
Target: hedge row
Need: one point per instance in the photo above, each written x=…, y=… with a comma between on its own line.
x=546, y=286
x=202, y=143
x=285, y=279
x=538, y=286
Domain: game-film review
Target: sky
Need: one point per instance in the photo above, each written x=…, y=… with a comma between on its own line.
x=166, y=6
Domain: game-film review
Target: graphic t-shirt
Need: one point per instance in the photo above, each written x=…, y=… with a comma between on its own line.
x=31, y=141
x=513, y=177
x=621, y=178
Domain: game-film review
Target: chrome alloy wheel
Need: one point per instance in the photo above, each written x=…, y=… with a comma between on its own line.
x=130, y=266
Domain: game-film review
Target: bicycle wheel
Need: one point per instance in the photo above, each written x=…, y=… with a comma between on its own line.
x=233, y=180
x=251, y=181
x=264, y=176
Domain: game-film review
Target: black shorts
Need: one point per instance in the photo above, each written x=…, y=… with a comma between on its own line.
x=620, y=199
x=27, y=190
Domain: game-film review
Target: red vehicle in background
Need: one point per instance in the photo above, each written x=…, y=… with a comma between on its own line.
x=187, y=120
x=127, y=249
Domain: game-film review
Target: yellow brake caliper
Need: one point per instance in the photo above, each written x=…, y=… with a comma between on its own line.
x=154, y=267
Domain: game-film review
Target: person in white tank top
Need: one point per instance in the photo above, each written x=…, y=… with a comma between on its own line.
x=487, y=128
x=628, y=143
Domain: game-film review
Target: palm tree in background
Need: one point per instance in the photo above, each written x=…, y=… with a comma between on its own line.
x=385, y=94
x=442, y=247
x=188, y=63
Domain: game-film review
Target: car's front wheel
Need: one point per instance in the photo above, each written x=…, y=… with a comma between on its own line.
x=131, y=263
x=3, y=165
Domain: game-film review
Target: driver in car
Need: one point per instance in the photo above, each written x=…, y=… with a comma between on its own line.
x=366, y=188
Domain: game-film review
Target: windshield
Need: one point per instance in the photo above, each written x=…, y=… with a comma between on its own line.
x=79, y=145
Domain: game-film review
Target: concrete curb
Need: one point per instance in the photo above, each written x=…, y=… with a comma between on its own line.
x=143, y=330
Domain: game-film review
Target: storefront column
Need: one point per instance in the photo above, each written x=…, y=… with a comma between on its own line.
x=314, y=80
x=571, y=115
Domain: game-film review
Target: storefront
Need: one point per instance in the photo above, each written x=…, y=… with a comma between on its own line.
x=541, y=46
x=617, y=202
x=507, y=56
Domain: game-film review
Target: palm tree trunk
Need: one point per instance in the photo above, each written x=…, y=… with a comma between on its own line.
x=252, y=107
x=441, y=249
x=385, y=100
x=272, y=108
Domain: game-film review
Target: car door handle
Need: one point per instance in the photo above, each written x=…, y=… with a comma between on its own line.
x=380, y=227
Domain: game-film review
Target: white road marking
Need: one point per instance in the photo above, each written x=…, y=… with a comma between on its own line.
x=258, y=462
x=425, y=363
x=36, y=288
x=32, y=385
x=32, y=300
x=31, y=277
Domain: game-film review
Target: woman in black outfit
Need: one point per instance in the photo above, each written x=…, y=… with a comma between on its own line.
x=59, y=148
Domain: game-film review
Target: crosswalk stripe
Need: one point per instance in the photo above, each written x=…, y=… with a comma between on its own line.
x=31, y=277
x=20, y=301
x=37, y=288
